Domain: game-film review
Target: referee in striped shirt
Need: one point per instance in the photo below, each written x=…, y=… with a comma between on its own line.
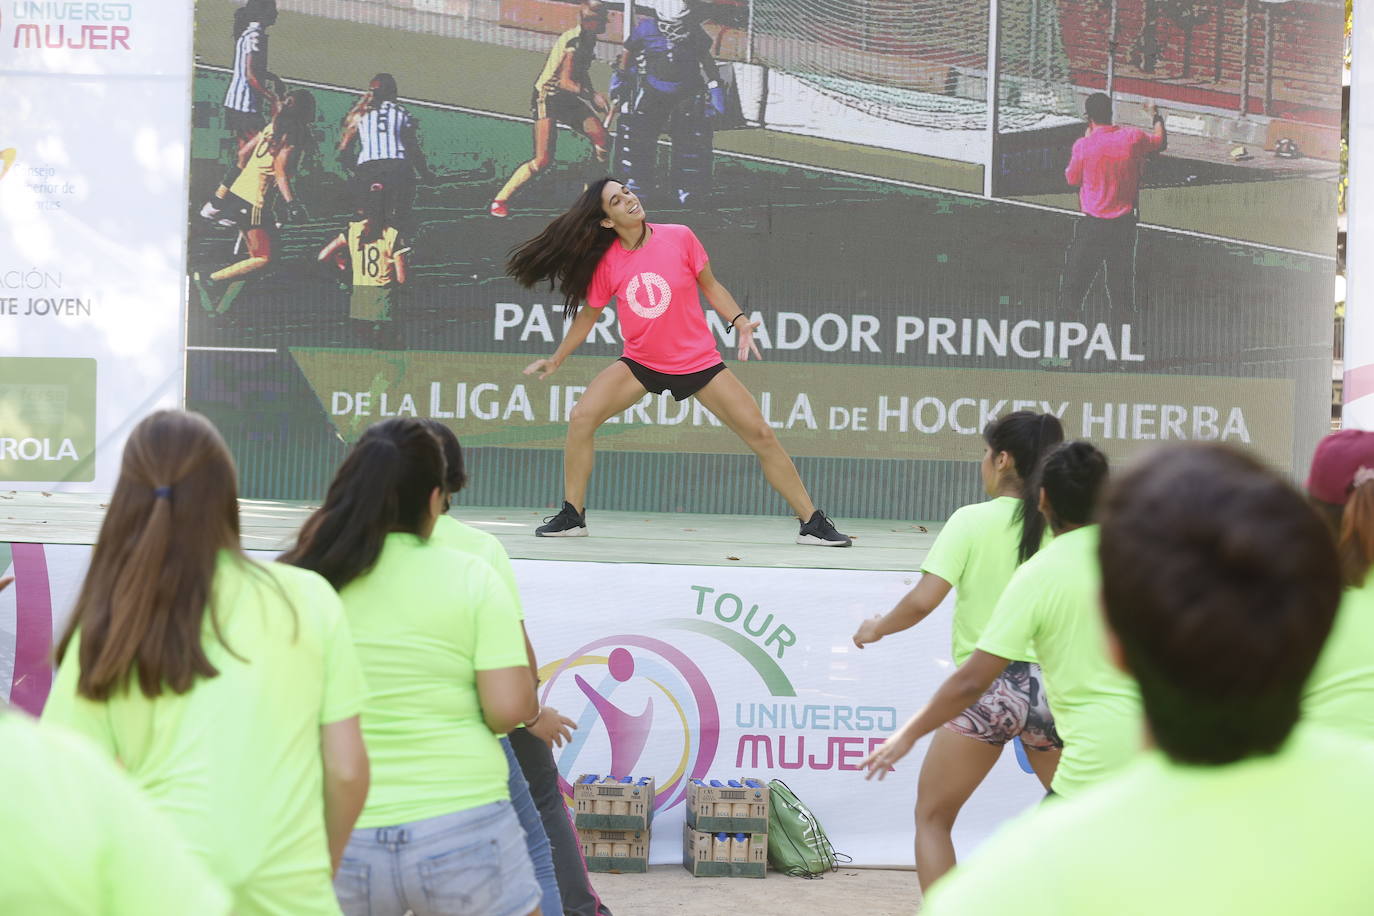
x=388, y=149
x=249, y=93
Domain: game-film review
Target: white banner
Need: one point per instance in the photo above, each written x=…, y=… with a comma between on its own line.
x=678, y=672
x=93, y=165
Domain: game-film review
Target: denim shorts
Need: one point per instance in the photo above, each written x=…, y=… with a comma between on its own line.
x=469, y=863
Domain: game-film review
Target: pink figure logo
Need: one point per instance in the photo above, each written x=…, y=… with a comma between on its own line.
x=628, y=732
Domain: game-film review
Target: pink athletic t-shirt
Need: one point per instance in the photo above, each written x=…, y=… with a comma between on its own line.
x=655, y=288
x=1106, y=167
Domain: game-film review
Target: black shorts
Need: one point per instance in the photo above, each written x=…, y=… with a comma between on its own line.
x=565, y=107
x=245, y=215
x=243, y=123
x=682, y=386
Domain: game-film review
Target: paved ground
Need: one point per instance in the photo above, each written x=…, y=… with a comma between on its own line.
x=670, y=889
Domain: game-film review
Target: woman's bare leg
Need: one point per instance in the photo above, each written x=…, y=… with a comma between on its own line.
x=259, y=256
x=545, y=143
x=727, y=398
x=955, y=765
x=595, y=131
x=613, y=390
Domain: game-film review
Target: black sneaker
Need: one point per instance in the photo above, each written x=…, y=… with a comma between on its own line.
x=820, y=532
x=568, y=523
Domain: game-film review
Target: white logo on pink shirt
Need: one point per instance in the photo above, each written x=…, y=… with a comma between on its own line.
x=656, y=290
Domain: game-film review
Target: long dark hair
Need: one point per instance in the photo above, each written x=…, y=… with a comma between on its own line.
x=1072, y=475
x=294, y=123
x=252, y=11
x=374, y=214
x=567, y=251
x=384, y=485
x=1026, y=437
x=143, y=603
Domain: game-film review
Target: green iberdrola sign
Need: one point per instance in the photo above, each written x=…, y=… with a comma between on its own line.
x=906, y=412
x=47, y=419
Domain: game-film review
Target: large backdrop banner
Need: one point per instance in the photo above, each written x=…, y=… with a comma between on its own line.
x=93, y=159
x=878, y=183
x=675, y=672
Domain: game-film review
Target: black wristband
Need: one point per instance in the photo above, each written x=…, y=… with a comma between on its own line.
x=736, y=318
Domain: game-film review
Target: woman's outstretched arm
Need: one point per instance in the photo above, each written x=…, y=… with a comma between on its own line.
x=577, y=333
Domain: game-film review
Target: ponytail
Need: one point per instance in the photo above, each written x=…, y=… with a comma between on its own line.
x=568, y=251
x=142, y=607
x=375, y=215
x=384, y=485
x=1072, y=475
x=1355, y=542
x=1026, y=437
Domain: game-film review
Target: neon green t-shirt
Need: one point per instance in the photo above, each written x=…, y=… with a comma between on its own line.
x=235, y=762
x=79, y=839
x=425, y=620
x=449, y=532
x=1340, y=692
x=976, y=553
x=1269, y=836
x=1052, y=603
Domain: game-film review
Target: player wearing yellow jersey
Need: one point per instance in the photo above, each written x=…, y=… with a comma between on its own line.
x=377, y=255
x=267, y=166
x=564, y=92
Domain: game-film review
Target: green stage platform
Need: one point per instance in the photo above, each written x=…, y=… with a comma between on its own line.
x=679, y=539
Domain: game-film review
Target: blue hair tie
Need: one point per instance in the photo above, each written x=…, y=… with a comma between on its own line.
x=162, y=492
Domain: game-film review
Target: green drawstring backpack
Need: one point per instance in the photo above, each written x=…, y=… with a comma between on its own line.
x=797, y=844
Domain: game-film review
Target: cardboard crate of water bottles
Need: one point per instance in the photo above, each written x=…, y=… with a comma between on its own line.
x=615, y=851
x=738, y=805
x=724, y=855
x=608, y=803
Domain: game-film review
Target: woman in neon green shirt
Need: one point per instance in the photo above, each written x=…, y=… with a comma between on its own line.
x=975, y=554
x=1340, y=693
x=228, y=690
x=439, y=638
x=1053, y=603
x=80, y=839
x=1219, y=587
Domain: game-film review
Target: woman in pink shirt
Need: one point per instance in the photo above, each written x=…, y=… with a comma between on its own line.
x=604, y=248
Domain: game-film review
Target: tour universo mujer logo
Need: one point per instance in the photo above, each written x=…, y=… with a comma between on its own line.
x=651, y=706
x=7, y=158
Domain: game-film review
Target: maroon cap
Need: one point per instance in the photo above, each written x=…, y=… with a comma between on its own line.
x=1336, y=461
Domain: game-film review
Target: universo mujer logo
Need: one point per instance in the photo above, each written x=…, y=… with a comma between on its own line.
x=705, y=695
